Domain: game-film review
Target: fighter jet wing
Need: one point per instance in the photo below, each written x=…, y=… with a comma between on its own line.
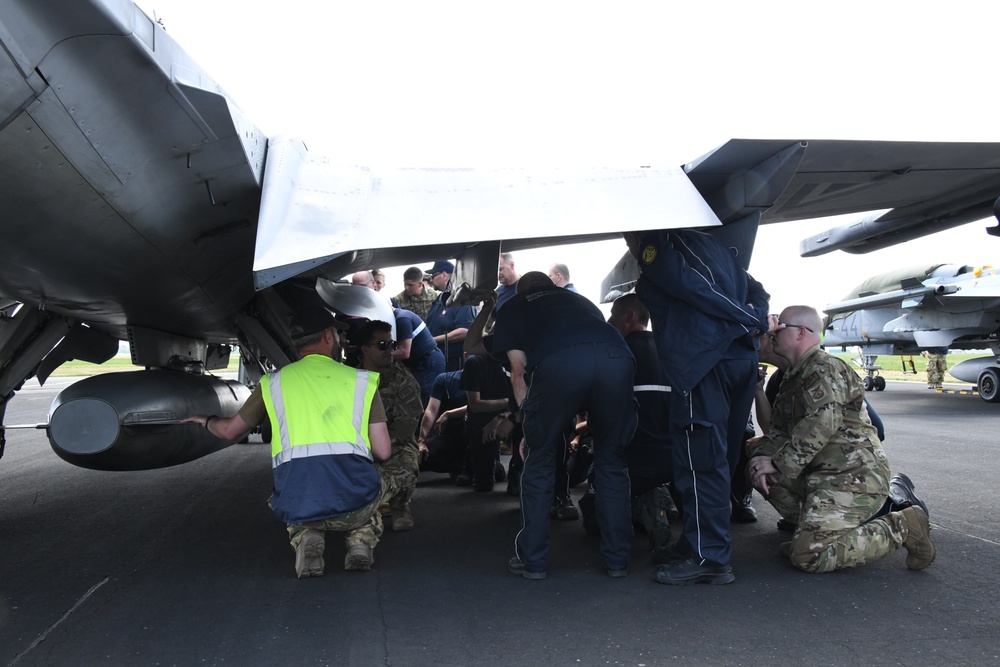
x=915, y=188
x=314, y=211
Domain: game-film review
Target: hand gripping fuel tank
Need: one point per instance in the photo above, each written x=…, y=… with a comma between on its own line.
x=129, y=421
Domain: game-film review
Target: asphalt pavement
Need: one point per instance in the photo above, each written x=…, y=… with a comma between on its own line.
x=187, y=566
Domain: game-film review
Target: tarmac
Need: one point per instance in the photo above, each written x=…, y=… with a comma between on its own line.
x=187, y=566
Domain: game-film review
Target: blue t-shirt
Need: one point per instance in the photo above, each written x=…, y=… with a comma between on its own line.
x=447, y=388
x=504, y=294
x=442, y=319
x=410, y=326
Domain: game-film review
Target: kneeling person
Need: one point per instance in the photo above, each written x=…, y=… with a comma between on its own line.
x=324, y=443
x=400, y=394
x=822, y=466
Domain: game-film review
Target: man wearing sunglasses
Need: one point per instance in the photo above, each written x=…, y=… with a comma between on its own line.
x=400, y=394
x=822, y=466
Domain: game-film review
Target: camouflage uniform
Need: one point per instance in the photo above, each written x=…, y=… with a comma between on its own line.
x=400, y=394
x=833, y=474
x=362, y=526
x=937, y=364
x=421, y=305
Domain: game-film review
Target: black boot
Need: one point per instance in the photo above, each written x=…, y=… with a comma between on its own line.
x=743, y=509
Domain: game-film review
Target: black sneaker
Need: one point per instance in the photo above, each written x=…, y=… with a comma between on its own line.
x=743, y=510
x=672, y=554
x=515, y=566
x=786, y=526
x=499, y=474
x=694, y=571
x=564, y=510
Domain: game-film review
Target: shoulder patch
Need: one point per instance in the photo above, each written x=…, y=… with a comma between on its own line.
x=649, y=254
x=816, y=389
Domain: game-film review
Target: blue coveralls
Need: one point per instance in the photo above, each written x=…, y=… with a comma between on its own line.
x=706, y=311
x=576, y=362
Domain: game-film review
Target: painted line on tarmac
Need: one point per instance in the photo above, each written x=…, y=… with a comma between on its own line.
x=62, y=618
x=938, y=526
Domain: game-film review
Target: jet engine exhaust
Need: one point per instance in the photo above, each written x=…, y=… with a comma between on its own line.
x=128, y=421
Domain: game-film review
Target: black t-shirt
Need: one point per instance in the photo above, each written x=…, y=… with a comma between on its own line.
x=547, y=321
x=483, y=374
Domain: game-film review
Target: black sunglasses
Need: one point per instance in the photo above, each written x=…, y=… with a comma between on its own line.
x=384, y=344
x=796, y=326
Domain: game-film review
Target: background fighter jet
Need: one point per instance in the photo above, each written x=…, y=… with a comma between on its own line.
x=140, y=204
x=912, y=309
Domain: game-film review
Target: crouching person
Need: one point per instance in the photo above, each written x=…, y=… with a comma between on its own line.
x=822, y=466
x=329, y=425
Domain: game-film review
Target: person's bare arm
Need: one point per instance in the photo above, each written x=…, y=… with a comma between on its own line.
x=381, y=444
x=474, y=338
x=227, y=428
x=402, y=352
x=518, y=366
x=477, y=404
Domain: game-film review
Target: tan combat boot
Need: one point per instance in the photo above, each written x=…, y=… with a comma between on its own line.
x=918, y=538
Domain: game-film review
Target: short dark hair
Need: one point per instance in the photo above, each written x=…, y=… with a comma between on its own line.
x=366, y=335
x=413, y=273
x=631, y=301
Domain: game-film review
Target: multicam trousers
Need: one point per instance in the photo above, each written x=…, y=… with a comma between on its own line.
x=831, y=531
x=362, y=526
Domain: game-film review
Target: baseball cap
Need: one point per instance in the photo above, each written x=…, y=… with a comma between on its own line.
x=313, y=319
x=440, y=266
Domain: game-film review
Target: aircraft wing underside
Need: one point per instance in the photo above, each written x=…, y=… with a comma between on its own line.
x=314, y=212
x=918, y=188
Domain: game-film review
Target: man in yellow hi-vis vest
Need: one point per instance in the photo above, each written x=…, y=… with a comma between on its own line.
x=329, y=424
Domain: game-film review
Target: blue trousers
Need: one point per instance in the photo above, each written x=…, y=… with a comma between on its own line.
x=426, y=371
x=706, y=427
x=598, y=379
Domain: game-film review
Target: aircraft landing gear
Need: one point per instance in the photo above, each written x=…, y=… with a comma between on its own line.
x=989, y=385
x=873, y=382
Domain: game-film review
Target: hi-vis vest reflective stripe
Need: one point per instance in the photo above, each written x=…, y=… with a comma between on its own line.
x=314, y=414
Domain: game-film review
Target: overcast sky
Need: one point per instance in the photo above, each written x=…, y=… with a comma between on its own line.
x=612, y=84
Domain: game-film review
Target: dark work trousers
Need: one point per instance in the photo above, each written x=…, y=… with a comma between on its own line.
x=562, y=467
x=649, y=466
x=591, y=377
x=426, y=371
x=706, y=427
x=484, y=456
x=445, y=451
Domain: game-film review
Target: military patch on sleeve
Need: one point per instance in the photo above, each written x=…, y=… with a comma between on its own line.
x=816, y=389
x=649, y=254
